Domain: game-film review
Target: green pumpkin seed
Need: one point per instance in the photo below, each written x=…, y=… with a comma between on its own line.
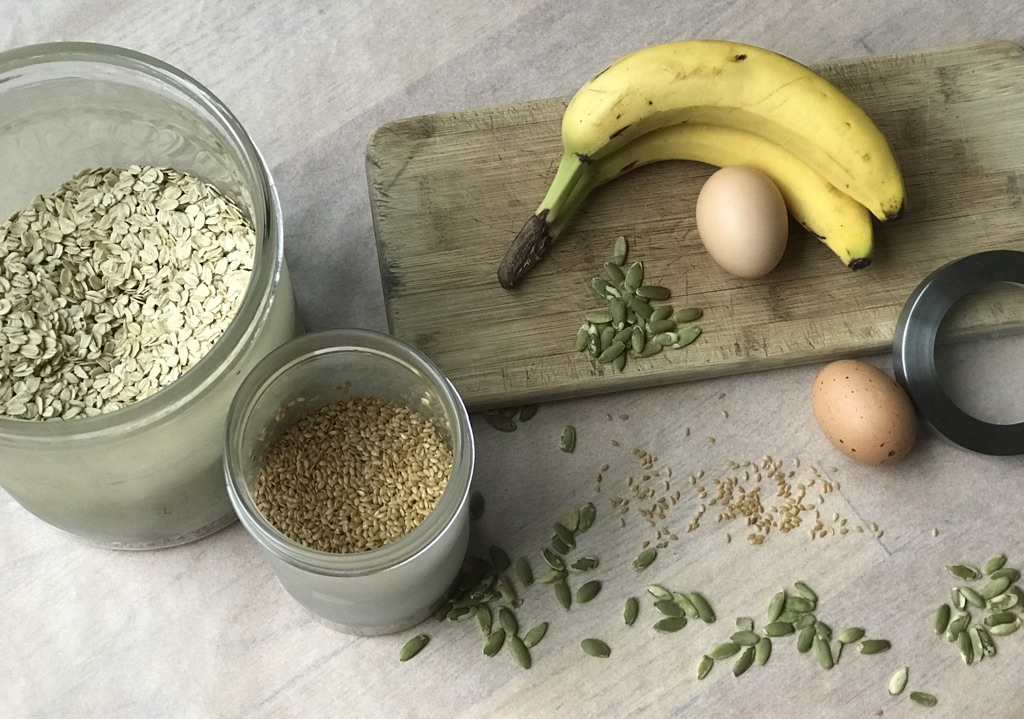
x=686, y=336
x=562, y=594
x=624, y=335
x=923, y=699
x=614, y=273
x=1009, y=572
x=822, y=652
x=508, y=622
x=724, y=650
x=524, y=572
x=704, y=610
x=957, y=625
x=641, y=307
x=688, y=314
x=776, y=605
x=665, y=339
x=806, y=592
x=605, y=337
x=762, y=650
x=460, y=613
x=957, y=599
x=476, y=505
x=940, y=619
x=995, y=587
x=553, y=560
x=999, y=618
x=659, y=592
x=649, y=350
x=584, y=564
x=689, y=610
x=613, y=351
x=704, y=666
x=484, y=619
x=583, y=337
x=630, y=610
x=656, y=327
x=598, y=317
x=552, y=576
x=519, y=652
x=499, y=422
x=1002, y=602
x=500, y=559
x=669, y=608
x=637, y=340
x=805, y=639
x=670, y=624
x=778, y=629
x=976, y=646
x=621, y=250
x=534, y=636
x=797, y=620
x=567, y=441
x=653, y=292
x=965, y=647
x=602, y=289
x=619, y=363
x=413, y=647
x=851, y=635
x=634, y=277
x=588, y=591
x=898, y=681
x=964, y=571
x=527, y=412
x=594, y=344
x=987, y=644
x=972, y=597
x=874, y=646
x=743, y=662
x=596, y=648
x=643, y=560
x=508, y=592
x=563, y=533
x=800, y=605
x=494, y=642
x=822, y=630
x=588, y=513
x=745, y=624
x=745, y=638
x=661, y=313
x=994, y=564
x=1002, y=630
x=559, y=546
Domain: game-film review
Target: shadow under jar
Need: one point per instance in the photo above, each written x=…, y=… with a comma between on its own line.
x=149, y=474
x=390, y=587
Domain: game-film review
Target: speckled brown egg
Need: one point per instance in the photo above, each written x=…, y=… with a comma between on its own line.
x=863, y=412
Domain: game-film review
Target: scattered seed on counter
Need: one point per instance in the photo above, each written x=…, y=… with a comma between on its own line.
x=114, y=286
x=354, y=475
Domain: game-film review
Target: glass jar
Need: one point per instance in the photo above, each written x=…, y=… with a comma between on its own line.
x=382, y=590
x=151, y=474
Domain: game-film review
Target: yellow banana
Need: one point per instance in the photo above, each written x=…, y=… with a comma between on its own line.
x=840, y=222
x=716, y=83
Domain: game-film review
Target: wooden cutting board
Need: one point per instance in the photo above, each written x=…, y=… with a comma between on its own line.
x=449, y=191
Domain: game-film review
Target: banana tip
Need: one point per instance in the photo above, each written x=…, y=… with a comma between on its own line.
x=860, y=263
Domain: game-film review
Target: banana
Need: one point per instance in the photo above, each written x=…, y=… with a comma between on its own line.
x=840, y=222
x=714, y=83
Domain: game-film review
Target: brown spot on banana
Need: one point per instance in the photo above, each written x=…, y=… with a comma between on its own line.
x=619, y=131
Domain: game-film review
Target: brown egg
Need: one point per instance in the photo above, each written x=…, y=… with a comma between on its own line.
x=742, y=221
x=863, y=412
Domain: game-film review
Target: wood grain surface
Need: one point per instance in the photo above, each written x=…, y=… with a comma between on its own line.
x=449, y=191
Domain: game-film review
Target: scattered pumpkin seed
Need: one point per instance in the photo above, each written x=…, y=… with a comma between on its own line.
x=778, y=629
x=662, y=313
x=940, y=619
x=957, y=598
x=851, y=635
x=476, y=505
x=1002, y=630
x=614, y=350
x=614, y=272
x=583, y=337
x=1009, y=572
x=972, y=597
x=999, y=618
x=670, y=624
x=621, y=250
x=704, y=610
x=527, y=412
x=689, y=610
x=562, y=594
x=637, y=340
x=552, y=576
x=898, y=681
x=598, y=317
x=797, y=620
x=641, y=307
x=762, y=650
x=413, y=647
x=822, y=652
x=659, y=592
x=567, y=442
x=457, y=614
x=874, y=646
x=976, y=646
x=499, y=422
x=745, y=638
x=649, y=350
x=562, y=532
x=822, y=630
x=588, y=591
x=805, y=639
x=656, y=327
x=686, y=336
x=923, y=699
x=776, y=605
x=644, y=559
x=743, y=662
x=800, y=605
x=630, y=610
x=499, y=558
x=653, y=292
x=1002, y=602
x=964, y=571
x=995, y=587
x=724, y=650
x=524, y=572
x=987, y=644
x=704, y=666
x=957, y=625
x=508, y=592
x=553, y=560
x=634, y=276
x=588, y=513
x=484, y=619
x=688, y=314
x=508, y=622
x=596, y=648
x=745, y=624
x=559, y=546
x=519, y=652
x=534, y=636
x=602, y=289
x=965, y=647
x=994, y=564
x=806, y=592
x=669, y=608
x=584, y=564
x=494, y=642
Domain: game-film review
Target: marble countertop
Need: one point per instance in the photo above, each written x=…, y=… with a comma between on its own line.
x=205, y=629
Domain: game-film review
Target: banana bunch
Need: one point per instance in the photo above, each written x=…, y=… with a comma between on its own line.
x=722, y=103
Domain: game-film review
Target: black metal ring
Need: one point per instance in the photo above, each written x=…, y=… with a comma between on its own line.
x=913, y=349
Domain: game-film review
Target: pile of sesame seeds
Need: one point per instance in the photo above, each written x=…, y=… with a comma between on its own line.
x=353, y=475
x=113, y=286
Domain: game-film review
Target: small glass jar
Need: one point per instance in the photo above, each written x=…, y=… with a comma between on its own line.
x=151, y=474
x=382, y=590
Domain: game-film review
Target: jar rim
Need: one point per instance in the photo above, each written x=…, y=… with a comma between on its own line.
x=415, y=542
x=226, y=352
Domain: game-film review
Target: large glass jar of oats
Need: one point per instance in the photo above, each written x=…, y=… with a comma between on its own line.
x=122, y=342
